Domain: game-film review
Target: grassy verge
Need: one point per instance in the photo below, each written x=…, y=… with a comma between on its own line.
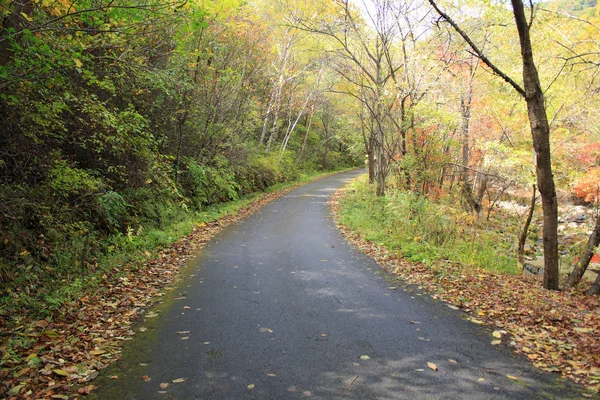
x=41, y=292
x=425, y=231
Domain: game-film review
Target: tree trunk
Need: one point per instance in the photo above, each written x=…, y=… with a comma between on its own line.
x=380, y=155
x=305, y=141
x=180, y=124
x=483, y=186
x=291, y=128
x=582, y=263
x=525, y=231
x=595, y=288
x=265, y=127
x=371, y=161
x=381, y=165
x=540, y=131
x=466, y=100
x=369, y=142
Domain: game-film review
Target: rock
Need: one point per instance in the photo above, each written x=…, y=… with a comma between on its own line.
x=578, y=218
x=530, y=269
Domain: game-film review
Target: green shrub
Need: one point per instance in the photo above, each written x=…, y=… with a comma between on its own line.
x=211, y=185
x=115, y=208
x=422, y=230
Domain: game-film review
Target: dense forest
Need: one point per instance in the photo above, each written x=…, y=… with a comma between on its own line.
x=123, y=117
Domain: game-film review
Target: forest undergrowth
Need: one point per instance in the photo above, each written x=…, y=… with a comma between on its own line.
x=456, y=260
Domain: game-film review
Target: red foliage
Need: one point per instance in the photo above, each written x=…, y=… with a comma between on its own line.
x=588, y=186
x=589, y=155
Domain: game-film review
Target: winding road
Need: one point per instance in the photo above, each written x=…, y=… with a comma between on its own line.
x=280, y=306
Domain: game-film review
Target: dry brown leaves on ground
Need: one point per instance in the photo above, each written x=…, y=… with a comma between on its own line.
x=557, y=331
x=53, y=357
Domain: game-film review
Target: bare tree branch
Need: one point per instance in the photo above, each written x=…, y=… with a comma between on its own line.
x=477, y=51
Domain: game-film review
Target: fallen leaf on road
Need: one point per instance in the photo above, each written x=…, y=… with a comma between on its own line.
x=164, y=385
x=451, y=361
x=365, y=357
x=497, y=334
x=432, y=366
x=476, y=321
x=185, y=338
x=415, y=322
x=183, y=332
x=87, y=390
x=496, y=342
x=179, y=380
x=146, y=378
x=251, y=386
x=514, y=378
x=265, y=330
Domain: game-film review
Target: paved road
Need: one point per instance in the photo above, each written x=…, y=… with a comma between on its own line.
x=279, y=306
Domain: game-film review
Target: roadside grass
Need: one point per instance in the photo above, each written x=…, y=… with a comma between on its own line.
x=428, y=232
x=41, y=292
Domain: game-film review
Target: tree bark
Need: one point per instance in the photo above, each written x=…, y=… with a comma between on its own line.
x=595, y=288
x=371, y=160
x=582, y=263
x=267, y=117
x=381, y=157
x=466, y=187
x=305, y=141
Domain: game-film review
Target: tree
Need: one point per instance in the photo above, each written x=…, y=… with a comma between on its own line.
x=365, y=59
x=533, y=95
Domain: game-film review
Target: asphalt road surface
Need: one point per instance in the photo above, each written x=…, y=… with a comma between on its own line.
x=279, y=306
